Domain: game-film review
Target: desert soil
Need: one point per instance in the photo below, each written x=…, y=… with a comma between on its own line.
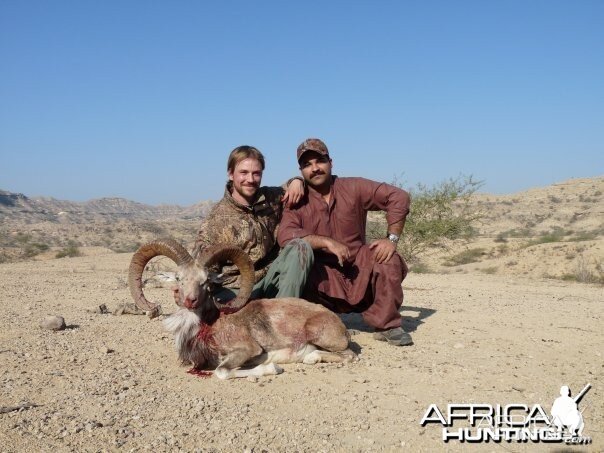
x=109, y=383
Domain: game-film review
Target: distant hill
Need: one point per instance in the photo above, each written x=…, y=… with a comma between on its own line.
x=38, y=226
x=15, y=206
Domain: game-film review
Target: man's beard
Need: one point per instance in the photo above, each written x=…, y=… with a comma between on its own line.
x=246, y=191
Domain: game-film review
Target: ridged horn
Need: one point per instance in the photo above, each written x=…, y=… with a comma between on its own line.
x=159, y=247
x=219, y=254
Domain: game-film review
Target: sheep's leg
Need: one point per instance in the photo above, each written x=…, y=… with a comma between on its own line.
x=227, y=369
x=267, y=369
x=329, y=356
x=327, y=331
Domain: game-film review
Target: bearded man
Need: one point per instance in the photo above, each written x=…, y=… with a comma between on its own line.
x=349, y=275
x=248, y=216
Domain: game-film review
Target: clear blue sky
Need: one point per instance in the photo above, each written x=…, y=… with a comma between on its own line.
x=145, y=99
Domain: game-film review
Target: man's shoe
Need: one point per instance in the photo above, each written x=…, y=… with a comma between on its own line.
x=396, y=337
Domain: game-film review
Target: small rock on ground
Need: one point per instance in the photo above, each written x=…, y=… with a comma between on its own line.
x=53, y=323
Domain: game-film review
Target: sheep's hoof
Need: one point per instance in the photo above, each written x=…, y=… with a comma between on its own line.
x=154, y=312
x=312, y=359
x=273, y=368
x=222, y=373
x=349, y=356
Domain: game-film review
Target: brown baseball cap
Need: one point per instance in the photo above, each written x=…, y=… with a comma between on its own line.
x=312, y=144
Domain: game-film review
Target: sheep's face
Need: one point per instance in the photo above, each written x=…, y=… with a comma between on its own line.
x=193, y=285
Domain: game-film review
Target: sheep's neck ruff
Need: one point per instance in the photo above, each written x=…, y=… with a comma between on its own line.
x=206, y=343
x=205, y=334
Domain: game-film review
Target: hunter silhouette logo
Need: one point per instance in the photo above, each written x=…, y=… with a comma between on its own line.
x=565, y=412
x=515, y=422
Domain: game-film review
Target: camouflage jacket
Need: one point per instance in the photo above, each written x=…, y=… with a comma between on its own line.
x=253, y=228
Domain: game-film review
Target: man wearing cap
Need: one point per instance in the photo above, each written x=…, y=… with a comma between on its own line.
x=349, y=275
x=248, y=216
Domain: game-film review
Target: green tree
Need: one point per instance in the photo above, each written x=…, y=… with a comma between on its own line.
x=439, y=213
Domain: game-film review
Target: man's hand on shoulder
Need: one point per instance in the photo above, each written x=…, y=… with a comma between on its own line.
x=383, y=250
x=294, y=193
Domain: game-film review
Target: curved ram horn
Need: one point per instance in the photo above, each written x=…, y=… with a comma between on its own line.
x=221, y=253
x=160, y=247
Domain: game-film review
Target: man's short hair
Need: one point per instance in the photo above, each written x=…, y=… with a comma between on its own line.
x=244, y=152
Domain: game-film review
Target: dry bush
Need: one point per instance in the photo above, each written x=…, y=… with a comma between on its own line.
x=555, y=235
x=70, y=250
x=420, y=268
x=34, y=248
x=489, y=270
x=584, y=274
x=465, y=257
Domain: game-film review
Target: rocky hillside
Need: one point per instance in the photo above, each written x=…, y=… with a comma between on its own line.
x=17, y=207
x=550, y=232
x=41, y=227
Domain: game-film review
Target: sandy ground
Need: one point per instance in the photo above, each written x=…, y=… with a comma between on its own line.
x=110, y=383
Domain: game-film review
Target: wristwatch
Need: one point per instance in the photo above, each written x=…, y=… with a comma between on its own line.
x=393, y=238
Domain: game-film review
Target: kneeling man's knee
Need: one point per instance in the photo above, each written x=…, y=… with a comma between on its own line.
x=302, y=250
x=395, y=266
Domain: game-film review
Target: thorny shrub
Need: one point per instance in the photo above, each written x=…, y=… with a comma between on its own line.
x=439, y=214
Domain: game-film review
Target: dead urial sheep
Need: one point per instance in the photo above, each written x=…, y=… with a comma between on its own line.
x=261, y=334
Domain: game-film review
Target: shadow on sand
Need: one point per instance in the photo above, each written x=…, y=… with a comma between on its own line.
x=413, y=317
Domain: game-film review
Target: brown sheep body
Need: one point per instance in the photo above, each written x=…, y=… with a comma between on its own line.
x=250, y=341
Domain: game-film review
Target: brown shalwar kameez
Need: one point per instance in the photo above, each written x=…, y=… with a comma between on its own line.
x=361, y=285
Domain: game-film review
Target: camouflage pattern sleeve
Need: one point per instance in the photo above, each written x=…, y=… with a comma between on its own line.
x=219, y=227
x=202, y=241
x=274, y=194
